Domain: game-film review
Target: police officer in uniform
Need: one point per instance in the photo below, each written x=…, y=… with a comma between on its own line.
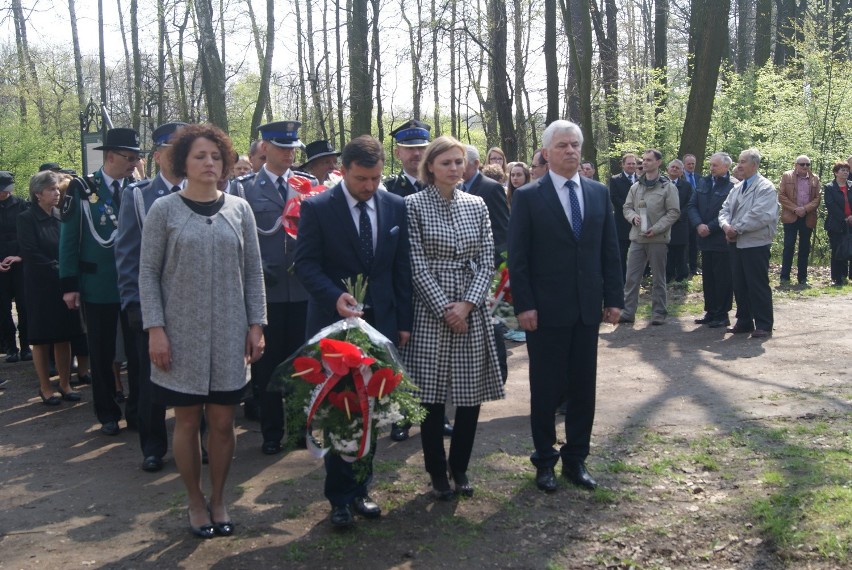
x=87, y=271
x=11, y=281
x=136, y=200
x=412, y=137
x=267, y=191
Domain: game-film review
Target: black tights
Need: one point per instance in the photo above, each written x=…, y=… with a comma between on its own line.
x=461, y=443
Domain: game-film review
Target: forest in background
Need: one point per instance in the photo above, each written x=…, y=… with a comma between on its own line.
x=681, y=75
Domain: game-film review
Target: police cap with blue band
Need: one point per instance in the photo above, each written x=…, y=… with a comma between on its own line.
x=164, y=132
x=412, y=133
x=283, y=134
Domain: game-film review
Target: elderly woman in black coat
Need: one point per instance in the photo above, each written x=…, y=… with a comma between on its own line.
x=838, y=219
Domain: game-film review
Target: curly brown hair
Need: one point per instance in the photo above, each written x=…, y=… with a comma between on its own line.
x=182, y=141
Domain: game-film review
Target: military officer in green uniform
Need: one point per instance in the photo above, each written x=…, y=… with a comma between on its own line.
x=87, y=270
x=411, y=138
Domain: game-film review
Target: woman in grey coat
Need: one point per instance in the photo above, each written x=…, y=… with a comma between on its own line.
x=451, y=353
x=197, y=243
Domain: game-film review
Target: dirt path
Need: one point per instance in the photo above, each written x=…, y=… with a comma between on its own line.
x=72, y=498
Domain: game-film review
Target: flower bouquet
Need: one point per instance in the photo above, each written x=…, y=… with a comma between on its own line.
x=500, y=301
x=292, y=209
x=343, y=386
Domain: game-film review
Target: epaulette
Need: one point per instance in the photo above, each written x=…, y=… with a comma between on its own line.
x=246, y=177
x=308, y=175
x=80, y=189
x=140, y=183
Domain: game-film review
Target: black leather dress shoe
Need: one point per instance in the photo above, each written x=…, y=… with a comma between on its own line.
x=270, y=447
x=719, y=323
x=577, y=474
x=463, y=486
x=441, y=487
x=705, y=320
x=545, y=479
x=366, y=507
x=760, y=333
x=26, y=355
x=110, y=428
x=341, y=517
x=739, y=329
x=399, y=432
x=152, y=464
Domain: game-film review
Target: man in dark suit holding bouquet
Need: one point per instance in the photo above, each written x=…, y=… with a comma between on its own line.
x=564, y=263
x=347, y=231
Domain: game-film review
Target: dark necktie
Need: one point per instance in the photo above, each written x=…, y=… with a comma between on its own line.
x=576, y=215
x=175, y=188
x=745, y=185
x=365, y=232
x=116, y=193
x=282, y=189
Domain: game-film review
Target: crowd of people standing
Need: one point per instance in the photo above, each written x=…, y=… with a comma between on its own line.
x=210, y=291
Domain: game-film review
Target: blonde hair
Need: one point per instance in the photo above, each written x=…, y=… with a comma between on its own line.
x=437, y=147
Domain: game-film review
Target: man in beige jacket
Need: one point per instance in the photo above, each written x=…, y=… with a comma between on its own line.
x=652, y=206
x=799, y=195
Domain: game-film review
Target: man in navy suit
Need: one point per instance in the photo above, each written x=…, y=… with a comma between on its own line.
x=565, y=269
x=494, y=195
x=349, y=230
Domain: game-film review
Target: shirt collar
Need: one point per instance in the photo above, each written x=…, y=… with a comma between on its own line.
x=274, y=177
x=559, y=180
x=470, y=182
x=353, y=202
x=169, y=184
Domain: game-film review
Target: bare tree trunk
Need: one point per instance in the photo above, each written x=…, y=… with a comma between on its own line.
x=178, y=71
x=745, y=31
x=454, y=102
x=762, y=32
x=376, y=67
x=300, y=58
x=136, y=112
x=161, y=61
x=265, y=61
x=708, y=28
x=128, y=77
x=415, y=43
x=27, y=67
x=436, y=98
x=577, y=16
x=784, y=21
x=317, y=118
x=212, y=69
x=520, y=71
x=78, y=58
x=499, y=76
x=328, y=100
x=661, y=39
x=339, y=60
x=608, y=43
x=551, y=64
x=360, y=82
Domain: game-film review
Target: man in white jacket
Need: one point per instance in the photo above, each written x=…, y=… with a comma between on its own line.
x=749, y=218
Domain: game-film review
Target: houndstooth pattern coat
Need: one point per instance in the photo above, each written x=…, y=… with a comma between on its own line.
x=452, y=259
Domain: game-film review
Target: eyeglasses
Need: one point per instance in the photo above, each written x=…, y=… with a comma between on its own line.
x=805, y=164
x=136, y=158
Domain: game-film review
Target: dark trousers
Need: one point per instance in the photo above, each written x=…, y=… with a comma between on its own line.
x=101, y=325
x=797, y=230
x=676, y=266
x=12, y=289
x=502, y=356
x=840, y=268
x=693, y=252
x=131, y=405
x=718, y=283
x=151, y=417
x=623, y=247
x=284, y=334
x=461, y=443
x=563, y=368
x=750, y=270
x=342, y=484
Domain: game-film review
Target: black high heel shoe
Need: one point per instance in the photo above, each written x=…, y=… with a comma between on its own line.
x=441, y=487
x=51, y=401
x=70, y=395
x=204, y=531
x=220, y=528
x=463, y=486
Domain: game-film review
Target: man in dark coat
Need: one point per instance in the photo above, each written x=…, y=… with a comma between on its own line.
x=11, y=281
x=347, y=231
x=677, y=268
x=703, y=211
x=564, y=267
x=619, y=186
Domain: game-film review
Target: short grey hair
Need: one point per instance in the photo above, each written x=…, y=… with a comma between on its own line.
x=677, y=162
x=561, y=126
x=752, y=154
x=41, y=182
x=472, y=153
x=724, y=157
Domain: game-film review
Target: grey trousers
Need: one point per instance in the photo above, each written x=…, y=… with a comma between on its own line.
x=638, y=256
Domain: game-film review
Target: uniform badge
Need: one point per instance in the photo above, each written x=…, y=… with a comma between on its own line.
x=93, y=198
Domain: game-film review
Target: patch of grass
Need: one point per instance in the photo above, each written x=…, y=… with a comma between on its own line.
x=293, y=512
x=774, y=478
x=707, y=461
x=294, y=553
x=662, y=466
x=621, y=467
x=605, y=496
x=387, y=466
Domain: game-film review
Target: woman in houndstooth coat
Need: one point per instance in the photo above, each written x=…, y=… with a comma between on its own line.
x=451, y=354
